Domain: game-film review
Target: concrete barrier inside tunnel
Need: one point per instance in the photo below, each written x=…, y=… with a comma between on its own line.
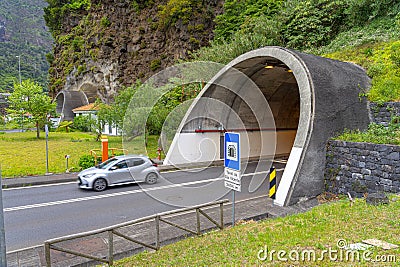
x=309, y=99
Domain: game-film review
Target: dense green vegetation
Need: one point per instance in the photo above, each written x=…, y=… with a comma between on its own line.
x=58, y=10
x=26, y=36
x=239, y=13
x=365, y=32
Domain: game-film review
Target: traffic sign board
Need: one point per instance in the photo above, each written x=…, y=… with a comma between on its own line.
x=232, y=161
x=232, y=151
x=232, y=166
x=233, y=186
x=232, y=176
x=233, y=179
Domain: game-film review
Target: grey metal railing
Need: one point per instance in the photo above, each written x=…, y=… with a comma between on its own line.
x=113, y=230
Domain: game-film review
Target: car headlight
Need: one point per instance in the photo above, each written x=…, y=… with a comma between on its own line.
x=88, y=175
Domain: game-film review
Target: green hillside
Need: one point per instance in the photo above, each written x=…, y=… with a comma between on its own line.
x=23, y=33
x=366, y=32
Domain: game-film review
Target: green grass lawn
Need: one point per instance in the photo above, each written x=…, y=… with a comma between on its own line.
x=318, y=229
x=22, y=154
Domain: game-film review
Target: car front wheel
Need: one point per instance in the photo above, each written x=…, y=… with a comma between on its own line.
x=99, y=184
x=151, y=178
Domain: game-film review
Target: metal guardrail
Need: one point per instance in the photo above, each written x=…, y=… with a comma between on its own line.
x=113, y=230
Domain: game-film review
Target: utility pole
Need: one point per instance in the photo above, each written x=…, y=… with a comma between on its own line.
x=20, y=82
x=19, y=68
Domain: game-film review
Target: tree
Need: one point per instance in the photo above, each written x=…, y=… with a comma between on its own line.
x=114, y=114
x=84, y=123
x=28, y=97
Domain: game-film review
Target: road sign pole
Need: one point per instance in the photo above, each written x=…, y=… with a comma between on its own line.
x=233, y=208
x=232, y=172
x=3, y=260
x=46, y=128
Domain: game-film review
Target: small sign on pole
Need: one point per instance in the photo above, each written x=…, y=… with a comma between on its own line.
x=46, y=129
x=66, y=158
x=233, y=179
x=232, y=166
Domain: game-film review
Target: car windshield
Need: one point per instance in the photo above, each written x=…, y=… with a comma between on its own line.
x=106, y=164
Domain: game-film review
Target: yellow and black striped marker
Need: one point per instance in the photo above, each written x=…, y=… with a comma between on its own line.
x=272, y=183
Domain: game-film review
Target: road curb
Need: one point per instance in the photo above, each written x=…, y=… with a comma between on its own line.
x=34, y=183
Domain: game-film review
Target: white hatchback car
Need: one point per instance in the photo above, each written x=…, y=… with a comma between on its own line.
x=119, y=170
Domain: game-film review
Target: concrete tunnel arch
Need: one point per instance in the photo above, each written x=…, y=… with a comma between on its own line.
x=311, y=98
x=68, y=100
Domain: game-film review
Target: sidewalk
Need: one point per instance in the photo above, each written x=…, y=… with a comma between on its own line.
x=39, y=180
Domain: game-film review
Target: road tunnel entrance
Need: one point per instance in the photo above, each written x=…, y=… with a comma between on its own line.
x=68, y=100
x=309, y=99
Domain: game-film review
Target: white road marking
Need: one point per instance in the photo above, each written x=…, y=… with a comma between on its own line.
x=105, y=196
x=67, y=201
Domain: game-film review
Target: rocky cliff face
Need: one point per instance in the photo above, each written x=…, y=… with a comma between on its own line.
x=116, y=42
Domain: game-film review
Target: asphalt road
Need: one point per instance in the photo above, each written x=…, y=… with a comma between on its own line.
x=38, y=213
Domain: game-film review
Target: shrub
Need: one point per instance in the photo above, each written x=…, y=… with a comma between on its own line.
x=255, y=33
x=376, y=133
x=84, y=123
x=105, y=22
x=385, y=88
x=236, y=13
x=313, y=22
x=155, y=64
x=175, y=10
x=359, y=12
x=86, y=161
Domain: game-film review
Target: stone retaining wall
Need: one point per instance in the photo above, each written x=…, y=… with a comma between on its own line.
x=383, y=113
x=361, y=168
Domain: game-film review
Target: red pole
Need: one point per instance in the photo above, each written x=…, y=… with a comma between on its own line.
x=104, y=148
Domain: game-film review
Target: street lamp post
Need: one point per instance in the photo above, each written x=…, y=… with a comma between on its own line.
x=19, y=68
x=20, y=82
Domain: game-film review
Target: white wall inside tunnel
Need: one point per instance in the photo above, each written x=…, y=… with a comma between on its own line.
x=205, y=147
